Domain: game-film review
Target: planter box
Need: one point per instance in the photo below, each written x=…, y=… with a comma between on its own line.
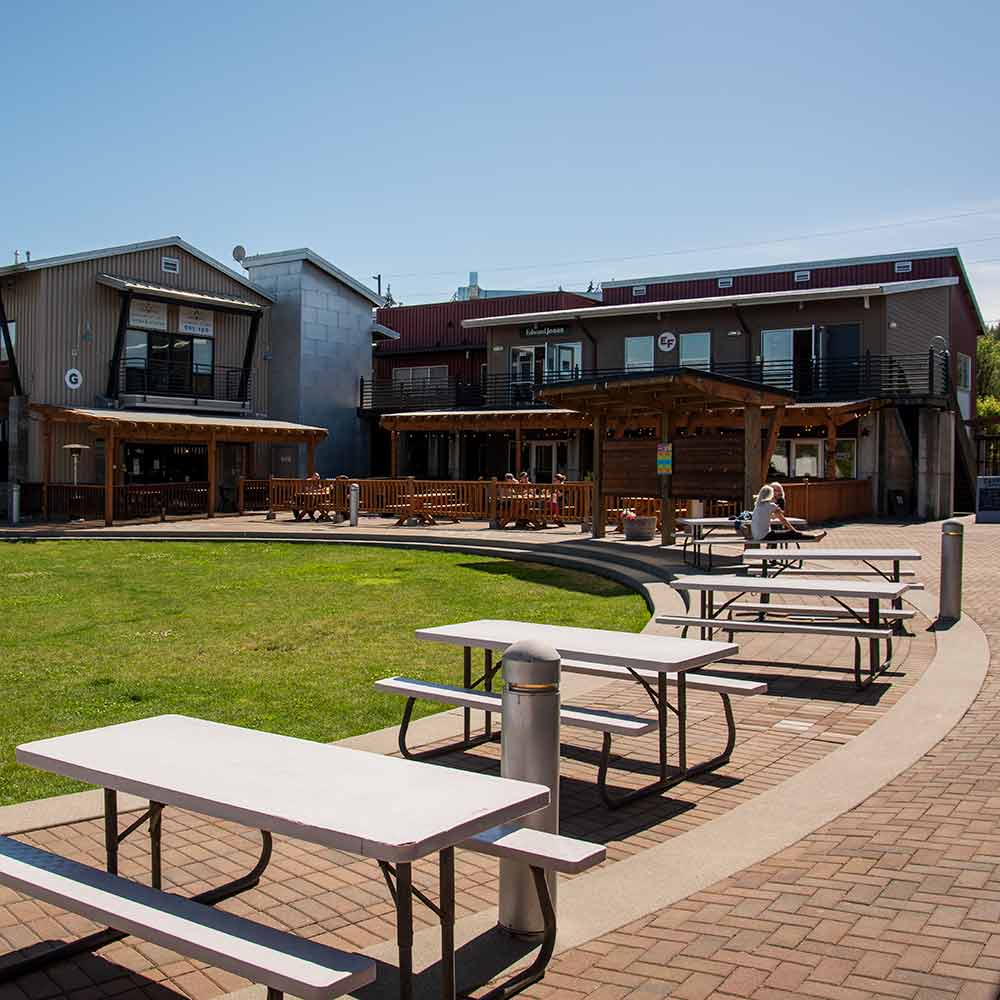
x=640, y=529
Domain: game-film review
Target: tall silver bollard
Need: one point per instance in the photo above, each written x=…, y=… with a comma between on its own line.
x=529, y=752
x=950, y=609
x=15, y=504
x=355, y=492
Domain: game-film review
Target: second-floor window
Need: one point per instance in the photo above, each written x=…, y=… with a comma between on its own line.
x=638, y=353
x=12, y=327
x=168, y=364
x=695, y=350
x=964, y=373
x=420, y=378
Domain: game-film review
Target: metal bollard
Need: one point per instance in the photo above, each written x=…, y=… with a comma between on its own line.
x=15, y=505
x=950, y=608
x=529, y=752
x=355, y=494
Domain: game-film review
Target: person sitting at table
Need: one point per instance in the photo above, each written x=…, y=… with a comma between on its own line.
x=779, y=494
x=555, y=500
x=524, y=479
x=509, y=477
x=764, y=511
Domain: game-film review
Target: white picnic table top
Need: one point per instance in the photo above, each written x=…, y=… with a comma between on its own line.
x=726, y=522
x=665, y=654
x=819, y=554
x=364, y=803
x=877, y=589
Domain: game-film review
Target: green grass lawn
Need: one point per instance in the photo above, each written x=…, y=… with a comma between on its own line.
x=287, y=638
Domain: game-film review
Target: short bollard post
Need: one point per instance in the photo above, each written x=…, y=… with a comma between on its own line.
x=529, y=752
x=355, y=492
x=950, y=608
x=15, y=505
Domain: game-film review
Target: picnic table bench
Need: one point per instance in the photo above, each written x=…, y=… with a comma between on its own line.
x=861, y=624
x=316, y=504
x=391, y=810
x=707, y=533
x=426, y=507
x=655, y=662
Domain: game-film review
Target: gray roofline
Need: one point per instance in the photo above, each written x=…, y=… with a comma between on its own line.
x=386, y=332
x=802, y=265
x=709, y=302
x=304, y=253
x=169, y=241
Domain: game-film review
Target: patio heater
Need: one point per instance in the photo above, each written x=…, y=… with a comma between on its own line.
x=75, y=451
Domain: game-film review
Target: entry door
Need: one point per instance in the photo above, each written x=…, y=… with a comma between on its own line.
x=541, y=461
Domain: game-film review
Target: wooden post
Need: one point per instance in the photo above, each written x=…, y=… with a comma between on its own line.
x=394, y=454
x=598, y=515
x=517, y=451
x=109, y=477
x=310, y=456
x=830, y=466
x=777, y=415
x=46, y=466
x=667, y=525
x=491, y=503
x=212, y=474
x=241, y=504
x=751, y=453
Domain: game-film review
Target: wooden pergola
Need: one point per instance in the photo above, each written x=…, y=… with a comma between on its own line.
x=670, y=399
x=120, y=426
x=448, y=421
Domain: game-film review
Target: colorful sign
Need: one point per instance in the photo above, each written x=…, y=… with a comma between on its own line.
x=664, y=459
x=148, y=315
x=199, y=322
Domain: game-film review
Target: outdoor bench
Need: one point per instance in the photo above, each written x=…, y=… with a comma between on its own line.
x=280, y=961
x=855, y=632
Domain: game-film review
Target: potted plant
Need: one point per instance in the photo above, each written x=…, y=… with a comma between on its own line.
x=638, y=528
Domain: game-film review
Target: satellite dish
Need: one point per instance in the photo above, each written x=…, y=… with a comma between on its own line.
x=239, y=253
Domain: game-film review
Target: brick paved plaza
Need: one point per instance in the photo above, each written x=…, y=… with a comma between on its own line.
x=898, y=897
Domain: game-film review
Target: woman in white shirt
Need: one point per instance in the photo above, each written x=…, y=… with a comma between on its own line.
x=764, y=511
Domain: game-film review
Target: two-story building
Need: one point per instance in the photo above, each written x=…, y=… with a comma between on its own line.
x=878, y=352
x=132, y=367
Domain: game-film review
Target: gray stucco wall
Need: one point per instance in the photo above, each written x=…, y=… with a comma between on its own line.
x=321, y=348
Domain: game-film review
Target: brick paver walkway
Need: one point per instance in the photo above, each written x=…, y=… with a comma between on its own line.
x=841, y=901
x=899, y=897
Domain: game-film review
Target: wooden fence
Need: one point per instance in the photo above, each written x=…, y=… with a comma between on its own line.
x=132, y=502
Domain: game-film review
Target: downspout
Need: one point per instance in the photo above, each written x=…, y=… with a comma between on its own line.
x=9, y=348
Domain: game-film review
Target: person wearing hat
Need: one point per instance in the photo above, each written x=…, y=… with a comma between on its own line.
x=764, y=511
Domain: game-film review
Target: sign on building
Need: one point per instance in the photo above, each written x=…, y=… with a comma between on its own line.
x=543, y=331
x=199, y=322
x=147, y=315
x=666, y=341
x=664, y=459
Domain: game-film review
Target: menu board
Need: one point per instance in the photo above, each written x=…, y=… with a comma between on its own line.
x=988, y=499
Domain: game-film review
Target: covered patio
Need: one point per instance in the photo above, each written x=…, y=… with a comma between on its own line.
x=670, y=402
x=197, y=439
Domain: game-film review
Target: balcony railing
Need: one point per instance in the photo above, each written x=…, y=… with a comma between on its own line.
x=817, y=380
x=159, y=378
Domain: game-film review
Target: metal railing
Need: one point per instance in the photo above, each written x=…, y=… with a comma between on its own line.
x=165, y=378
x=877, y=376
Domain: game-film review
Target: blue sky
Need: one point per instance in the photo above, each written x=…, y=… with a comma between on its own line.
x=538, y=143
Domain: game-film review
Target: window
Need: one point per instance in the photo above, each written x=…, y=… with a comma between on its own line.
x=12, y=327
x=170, y=265
x=563, y=361
x=806, y=458
x=845, y=460
x=695, y=350
x=964, y=374
x=780, y=461
x=424, y=376
x=168, y=364
x=638, y=353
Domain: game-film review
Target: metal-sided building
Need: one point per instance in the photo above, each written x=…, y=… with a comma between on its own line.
x=155, y=361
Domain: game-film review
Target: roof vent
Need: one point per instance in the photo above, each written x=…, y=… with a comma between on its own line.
x=638, y=291
x=171, y=265
x=725, y=282
x=903, y=266
x=802, y=275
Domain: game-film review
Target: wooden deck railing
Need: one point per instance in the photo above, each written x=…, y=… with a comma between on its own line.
x=142, y=500
x=829, y=499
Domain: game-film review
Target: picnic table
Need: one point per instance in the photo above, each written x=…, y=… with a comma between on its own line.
x=669, y=658
x=839, y=591
x=423, y=507
x=527, y=507
x=394, y=811
x=316, y=504
x=702, y=527
x=706, y=532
